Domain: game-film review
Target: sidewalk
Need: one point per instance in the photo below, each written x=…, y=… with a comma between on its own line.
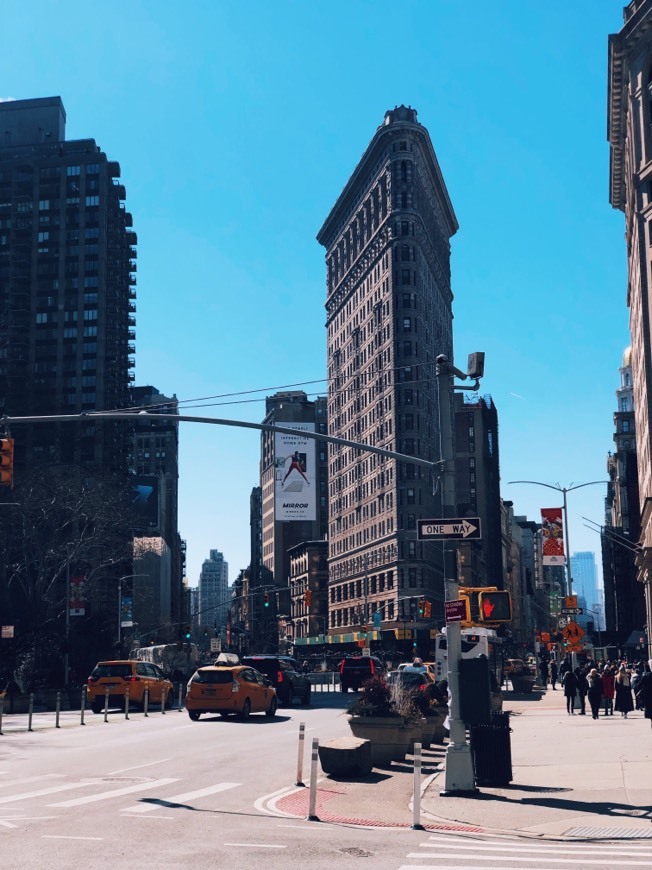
x=572, y=777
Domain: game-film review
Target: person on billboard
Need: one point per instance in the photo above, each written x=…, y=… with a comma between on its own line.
x=296, y=465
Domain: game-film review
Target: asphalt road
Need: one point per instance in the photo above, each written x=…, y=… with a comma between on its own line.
x=168, y=792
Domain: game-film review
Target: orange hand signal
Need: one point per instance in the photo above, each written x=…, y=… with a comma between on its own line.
x=487, y=608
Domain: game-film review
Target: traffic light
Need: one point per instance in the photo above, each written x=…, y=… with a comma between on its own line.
x=6, y=462
x=495, y=606
x=427, y=609
x=266, y=599
x=422, y=606
x=307, y=597
x=187, y=633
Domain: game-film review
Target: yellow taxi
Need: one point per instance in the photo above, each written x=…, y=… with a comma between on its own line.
x=118, y=676
x=230, y=689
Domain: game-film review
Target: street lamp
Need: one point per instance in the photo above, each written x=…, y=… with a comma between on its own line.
x=564, y=490
x=126, y=623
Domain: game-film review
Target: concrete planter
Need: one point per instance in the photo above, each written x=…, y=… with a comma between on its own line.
x=388, y=738
x=432, y=727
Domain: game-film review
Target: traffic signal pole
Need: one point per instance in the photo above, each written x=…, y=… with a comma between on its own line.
x=459, y=777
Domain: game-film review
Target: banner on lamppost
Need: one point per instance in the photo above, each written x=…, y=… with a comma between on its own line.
x=77, y=602
x=294, y=473
x=126, y=611
x=553, y=536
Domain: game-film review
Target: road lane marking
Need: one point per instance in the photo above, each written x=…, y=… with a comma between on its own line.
x=137, y=766
x=12, y=798
x=30, y=779
x=180, y=798
x=540, y=848
x=116, y=792
x=65, y=837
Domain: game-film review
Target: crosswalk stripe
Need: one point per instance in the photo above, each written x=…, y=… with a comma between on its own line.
x=116, y=792
x=27, y=779
x=538, y=848
x=585, y=862
x=179, y=798
x=10, y=799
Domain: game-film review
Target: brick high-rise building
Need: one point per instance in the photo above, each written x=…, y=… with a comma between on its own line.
x=629, y=129
x=388, y=316
x=67, y=294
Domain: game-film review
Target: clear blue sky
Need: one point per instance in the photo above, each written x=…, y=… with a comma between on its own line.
x=237, y=125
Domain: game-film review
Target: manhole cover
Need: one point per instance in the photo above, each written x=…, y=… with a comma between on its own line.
x=356, y=853
x=610, y=833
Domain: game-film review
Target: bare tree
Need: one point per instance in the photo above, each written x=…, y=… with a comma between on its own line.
x=61, y=525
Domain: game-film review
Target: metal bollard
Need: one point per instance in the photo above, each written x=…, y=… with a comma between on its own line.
x=416, y=799
x=127, y=702
x=312, y=817
x=2, y=709
x=180, y=693
x=164, y=698
x=57, y=710
x=146, y=700
x=30, y=712
x=82, y=705
x=106, y=704
x=302, y=737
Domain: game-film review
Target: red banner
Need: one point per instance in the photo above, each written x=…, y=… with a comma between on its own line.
x=77, y=602
x=553, y=536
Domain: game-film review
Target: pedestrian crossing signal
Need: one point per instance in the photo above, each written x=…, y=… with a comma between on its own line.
x=495, y=606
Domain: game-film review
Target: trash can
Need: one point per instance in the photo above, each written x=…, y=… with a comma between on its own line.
x=491, y=751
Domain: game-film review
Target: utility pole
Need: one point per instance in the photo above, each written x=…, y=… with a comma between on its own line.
x=459, y=776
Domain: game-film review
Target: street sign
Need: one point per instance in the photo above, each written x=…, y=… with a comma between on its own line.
x=563, y=621
x=366, y=651
x=7, y=632
x=455, y=611
x=573, y=633
x=216, y=644
x=451, y=528
x=570, y=601
x=575, y=611
x=574, y=647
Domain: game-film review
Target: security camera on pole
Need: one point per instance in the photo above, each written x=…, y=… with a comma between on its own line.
x=459, y=776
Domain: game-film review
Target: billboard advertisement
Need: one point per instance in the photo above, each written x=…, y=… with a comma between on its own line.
x=145, y=498
x=294, y=474
x=553, y=536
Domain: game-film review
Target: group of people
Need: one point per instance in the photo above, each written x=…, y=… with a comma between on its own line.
x=609, y=686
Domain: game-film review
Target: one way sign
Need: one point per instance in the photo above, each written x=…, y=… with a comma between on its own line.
x=449, y=528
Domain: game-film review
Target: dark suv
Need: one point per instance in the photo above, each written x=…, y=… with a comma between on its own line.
x=285, y=675
x=356, y=670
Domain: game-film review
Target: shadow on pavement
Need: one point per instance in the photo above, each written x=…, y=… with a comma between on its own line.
x=370, y=778
x=599, y=808
x=534, y=695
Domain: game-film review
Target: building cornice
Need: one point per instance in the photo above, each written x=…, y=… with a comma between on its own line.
x=622, y=45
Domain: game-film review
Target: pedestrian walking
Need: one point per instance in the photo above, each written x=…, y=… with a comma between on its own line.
x=608, y=690
x=637, y=676
x=645, y=692
x=553, y=674
x=569, y=683
x=624, y=703
x=582, y=689
x=594, y=681
x=563, y=667
x=543, y=671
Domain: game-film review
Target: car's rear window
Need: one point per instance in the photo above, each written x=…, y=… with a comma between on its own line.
x=362, y=664
x=265, y=666
x=220, y=678
x=118, y=670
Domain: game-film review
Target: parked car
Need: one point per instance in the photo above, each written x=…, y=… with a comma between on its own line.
x=356, y=670
x=230, y=689
x=137, y=676
x=285, y=674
